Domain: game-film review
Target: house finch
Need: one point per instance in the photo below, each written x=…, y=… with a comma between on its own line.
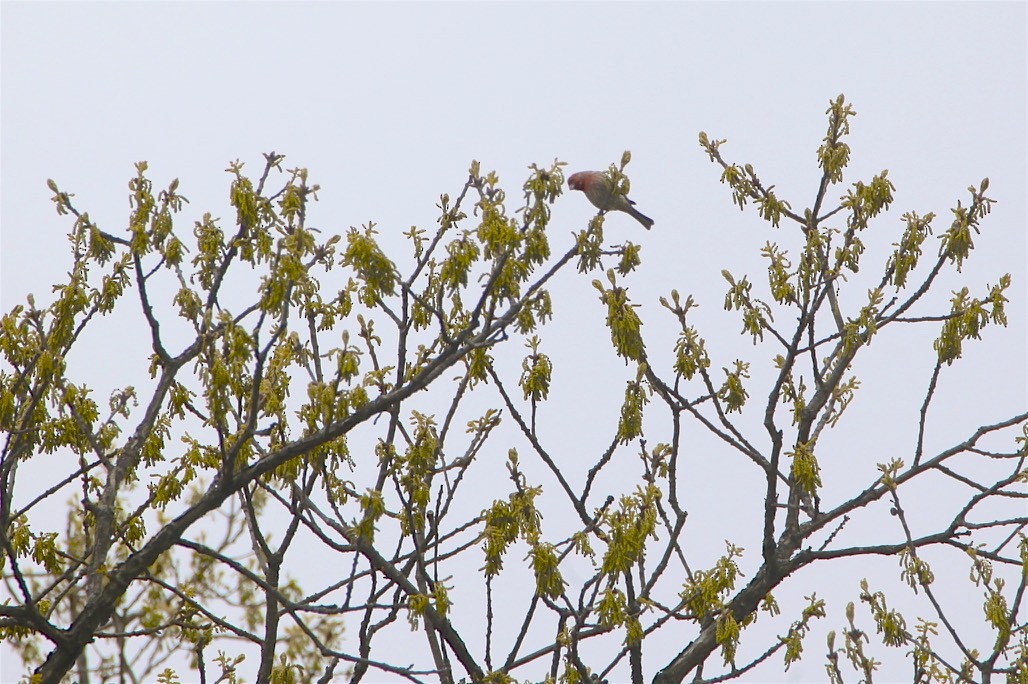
x=598, y=187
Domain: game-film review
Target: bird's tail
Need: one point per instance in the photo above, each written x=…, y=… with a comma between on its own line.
x=646, y=221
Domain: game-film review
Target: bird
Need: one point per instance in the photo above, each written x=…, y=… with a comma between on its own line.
x=600, y=190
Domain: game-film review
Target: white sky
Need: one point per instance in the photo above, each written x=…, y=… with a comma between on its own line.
x=387, y=104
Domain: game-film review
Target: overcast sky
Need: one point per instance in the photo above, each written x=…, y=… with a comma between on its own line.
x=387, y=104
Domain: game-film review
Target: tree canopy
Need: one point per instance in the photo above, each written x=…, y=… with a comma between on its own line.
x=343, y=457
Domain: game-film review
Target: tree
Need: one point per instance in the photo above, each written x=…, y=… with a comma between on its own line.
x=283, y=423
